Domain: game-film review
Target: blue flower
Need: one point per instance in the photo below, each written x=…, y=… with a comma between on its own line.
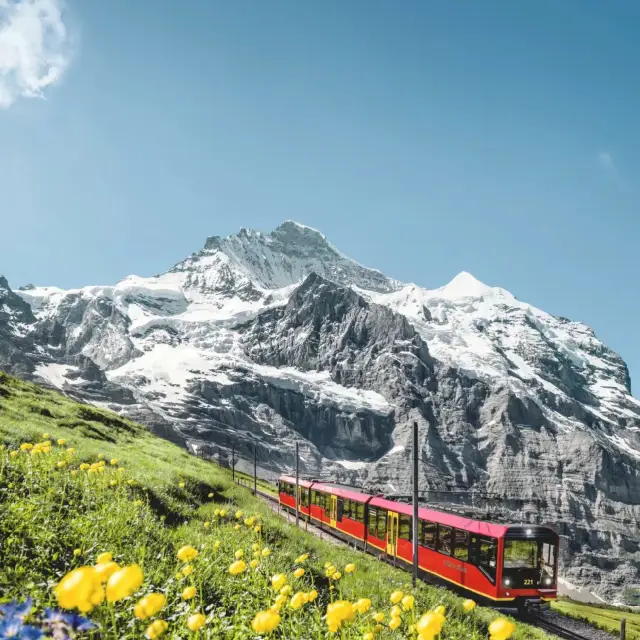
x=16, y=610
x=14, y=628
x=72, y=620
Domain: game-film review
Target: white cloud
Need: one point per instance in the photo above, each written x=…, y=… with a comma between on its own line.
x=34, y=48
x=606, y=161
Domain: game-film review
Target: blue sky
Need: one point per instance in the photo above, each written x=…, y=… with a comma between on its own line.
x=423, y=138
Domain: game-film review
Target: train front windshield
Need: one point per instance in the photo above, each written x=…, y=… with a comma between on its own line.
x=529, y=559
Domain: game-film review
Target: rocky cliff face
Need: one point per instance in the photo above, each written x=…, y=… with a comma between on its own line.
x=265, y=339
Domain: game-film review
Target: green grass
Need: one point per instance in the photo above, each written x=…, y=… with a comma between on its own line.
x=606, y=618
x=53, y=520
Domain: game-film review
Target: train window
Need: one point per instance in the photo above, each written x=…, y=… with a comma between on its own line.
x=547, y=562
x=372, y=521
x=304, y=495
x=314, y=497
x=444, y=539
x=520, y=554
x=382, y=523
x=429, y=530
x=404, y=528
x=340, y=510
x=487, y=554
x=461, y=545
x=360, y=512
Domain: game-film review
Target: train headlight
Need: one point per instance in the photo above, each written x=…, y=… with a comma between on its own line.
x=529, y=532
x=507, y=582
x=548, y=581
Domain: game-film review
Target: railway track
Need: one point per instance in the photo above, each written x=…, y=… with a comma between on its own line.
x=553, y=623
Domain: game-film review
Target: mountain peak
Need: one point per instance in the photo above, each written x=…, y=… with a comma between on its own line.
x=465, y=285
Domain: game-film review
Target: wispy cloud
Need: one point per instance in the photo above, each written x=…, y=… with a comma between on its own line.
x=34, y=48
x=606, y=161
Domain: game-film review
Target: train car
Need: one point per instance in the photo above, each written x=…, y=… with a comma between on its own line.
x=511, y=565
x=287, y=493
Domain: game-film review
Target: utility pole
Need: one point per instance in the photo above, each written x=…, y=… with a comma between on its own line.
x=415, y=504
x=297, y=486
x=233, y=461
x=255, y=470
x=623, y=629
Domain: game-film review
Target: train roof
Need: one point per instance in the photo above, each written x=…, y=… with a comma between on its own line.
x=343, y=492
x=478, y=527
x=292, y=480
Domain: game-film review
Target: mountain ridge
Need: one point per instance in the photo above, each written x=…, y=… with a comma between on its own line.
x=267, y=338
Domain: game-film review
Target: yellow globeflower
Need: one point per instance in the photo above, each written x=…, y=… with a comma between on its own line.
x=46, y=436
x=114, y=462
x=501, y=629
x=396, y=611
x=378, y=616
x=313, y=594
x=265, y=552
x=237, y=567
x=396, y=596
x=61, y=464
x=339, y=612
x=223, y=513
x=105, y=570
x=196, y=621
x=156, y=629
x=255, y=547
x=257, y=528
x=468, y=605
x=207, y=525
x=62, y=442
x=363, y=605
x=336, y=576
x=104, y=557
x=189, y=592
x=350, y=568
x=101, y=456
x=297, y=601
x=430, y=623
x=280, y=600
x=26, y=446
x=237, y=527
x=149, y=605
x=84, y=466
x=239, y=515
x=210, y=495
x=187, y=553
x=367, y=636
x=74, y=473
x=302, y=558
x=254, y=563
x=440, y=609
x=79, y=589
x=71, y=451
x=124, y=583
x=77, y=552
x=181, y=485
x=216, y=512
x=14, y=454
x=265, y=621
x=286, y=590
x=298, y=573
x=179, y=575
x=394, y=623
x=216, y=544
x=239, y=553
x=187, y=570
x=407, y=602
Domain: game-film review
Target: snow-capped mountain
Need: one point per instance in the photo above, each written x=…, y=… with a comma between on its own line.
x=265, y=339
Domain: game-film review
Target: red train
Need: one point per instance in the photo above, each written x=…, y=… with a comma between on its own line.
x=513, y=565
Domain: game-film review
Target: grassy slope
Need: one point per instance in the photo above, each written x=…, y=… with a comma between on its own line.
x=604, y=617
x=46, y=513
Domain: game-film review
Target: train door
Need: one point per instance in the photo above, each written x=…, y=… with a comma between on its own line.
x=334, y=511
x=392, y=533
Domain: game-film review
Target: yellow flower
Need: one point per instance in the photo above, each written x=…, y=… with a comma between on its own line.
x=181, y=485
x=196, y=621
x=313, y=594
x=265, y=552
x=149, y=605
x=249, y=522
x=121, y=470
x=216, y=544
x=239, y=553
x=62, y=442
x=79, y=589
x=298, y=573
x=302, y=558
x=216, y=512
x=187, y=553
x=350, y=568
x=61, y=464
x=501, y=629
x=223, y=513
x=367, y=636
x=124, y=583
x=206, y=525
x=394, y=623
x=179, y=575
x=330, y=571
x=407, y=602
x=74, y=473
x=253, y=564
x=297, y=601
x=77, y=552
x=257, y=528
x=378, y=616
x=255, y=547
x=395, y=612
x=237, y=567
x=156, y=629
x=430, y=624
x=336, y=576
x=396, y=596
x=101, y=456
x=286, y=590
x=265, y=621
x=189, y=593
x=363, y=605
x=46, y=436
x=26, y=446
x=14, y=454
x=468, y=605
x=440, y=609
x=84, y=466
x=71, y=451
x=114, y=462
x=339, y=612
x=237, y=527
x=280, y=600
x=112, y=483
x=210, y=495
x=187, y=570
x=105, y=570
x=239, y=515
